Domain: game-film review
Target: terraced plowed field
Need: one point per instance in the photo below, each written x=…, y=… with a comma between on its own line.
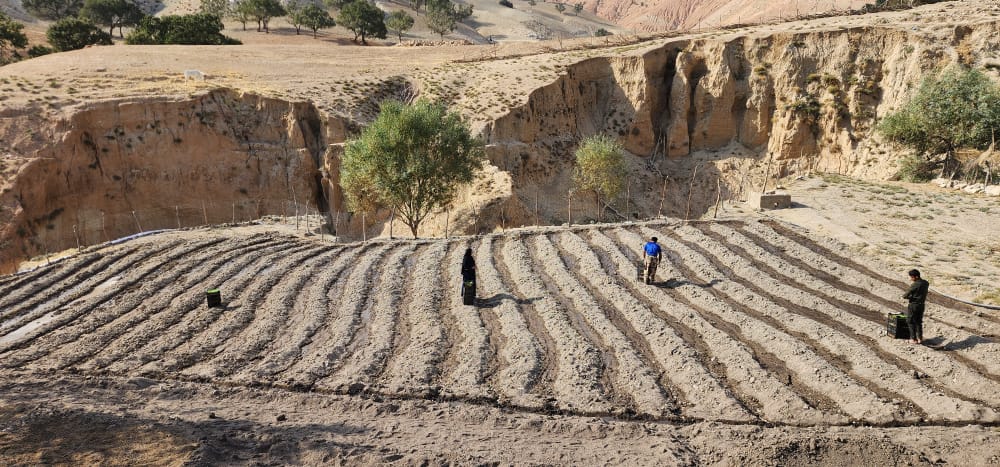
x=749, y=322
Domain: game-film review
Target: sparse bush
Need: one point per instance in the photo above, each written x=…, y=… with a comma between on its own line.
x=601, y=32
x=914, y=168
x=39, y=50
x=600, y=168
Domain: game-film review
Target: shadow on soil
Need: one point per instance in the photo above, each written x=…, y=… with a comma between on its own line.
x=47, y=434
x=940, y=343
x=496, y=300
x=674, y=283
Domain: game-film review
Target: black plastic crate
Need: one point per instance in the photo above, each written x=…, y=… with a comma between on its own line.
x=896, y=326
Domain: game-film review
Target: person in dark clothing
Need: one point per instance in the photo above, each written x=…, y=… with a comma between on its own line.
x=917, y=295
x=468, y=278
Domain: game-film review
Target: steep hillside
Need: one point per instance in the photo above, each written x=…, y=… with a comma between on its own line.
x=703, y=116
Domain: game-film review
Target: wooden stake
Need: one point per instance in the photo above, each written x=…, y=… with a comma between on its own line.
x=364, y=234
x=136, y=222
x=103, y=229
x=694, y=174
x=536, y=206
x=77, y=235
x=569, y=207
x=663, y=195
x=447, y=216
x=628, y=187
x=718, y=196
x=767, y=173
x=234, y=212
x=204, y=212
x=177, y=212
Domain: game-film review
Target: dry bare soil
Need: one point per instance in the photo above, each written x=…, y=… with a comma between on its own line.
x=757, y=345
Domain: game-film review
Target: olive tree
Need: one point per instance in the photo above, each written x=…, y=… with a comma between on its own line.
x=363, y=19
x=11, y=39
x=112, y=13
x=600, y=168
x=53, y=9
x=75, y=33
x=399, y=21
x=312, y=16
x=411, y=159
x=957, y=108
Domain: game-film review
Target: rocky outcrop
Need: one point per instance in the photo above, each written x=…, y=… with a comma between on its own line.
x=119, y=167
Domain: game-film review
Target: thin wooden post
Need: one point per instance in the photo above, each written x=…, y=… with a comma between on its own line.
x=536, y=206
x=447, y=216
x=104, y=229
x=177, y=213
x=234, y=212
x=392, y=219
x=204, y=212
x=694, y=175
x=663, y=196
x=296, y=215
x=767, y=172
x=136, y=218
x=77, y=235
x=718, y=196
x=628, y=186
x=364, y=234
x=569, y=207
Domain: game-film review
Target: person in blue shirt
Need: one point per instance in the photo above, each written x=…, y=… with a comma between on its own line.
x=651, y=255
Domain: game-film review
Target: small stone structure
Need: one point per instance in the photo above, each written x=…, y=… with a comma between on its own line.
x=770, y=200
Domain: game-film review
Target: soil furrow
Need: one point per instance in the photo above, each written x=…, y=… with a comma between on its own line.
x=576, y=385
x=269, y=307
x=413, y=367
x=878, y=369
x=982, y=356
x=183, y=317
x=752, y=372
x=845, y=261
x=44, y=279
x=310, y=309
x=861, y=326
x=520, y=356
x=52, y=320
x=331, y=339
x=550, y=268
x=372, y=345
x=886, y=295
x=98, y=330
x=521, y=325
x=52, y=294
x=634, y=374
x=245, y=288
x=661, y=348
x=830, y=377
x=466, y=343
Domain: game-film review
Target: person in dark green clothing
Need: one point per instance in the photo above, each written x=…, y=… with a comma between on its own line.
x=917, y=295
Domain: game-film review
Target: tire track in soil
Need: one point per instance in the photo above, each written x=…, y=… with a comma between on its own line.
x=756, y=378
x=876, y=366
x=331, y=339
x=546, y=263
x=52, y=293
x=98, y=329
x=633, y=376
x=186, y=316
x=371, y=345
x=849, y=263
x=860, y=325
x=42, y=278
x=984, y=352
x=529, y=380
x=269, y=308
x=420, y=345
x=467, y=343
x=647, y=333
x=262, y=311
x=776, y=351
x=884, y=294
x=576, y=384
x=233, y=317
x=105, y=290
x=307, y=314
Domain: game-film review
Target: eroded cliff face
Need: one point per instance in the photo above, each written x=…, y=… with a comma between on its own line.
x=119, y=167
x=807, y=101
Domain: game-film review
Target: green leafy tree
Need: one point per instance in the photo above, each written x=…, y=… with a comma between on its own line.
x=313, y=17
x=112, y=14
x=240, y=12
x=416, y=4
x=39, y=50
x=957, y=108
x=75, y=33
x=218, y=8
x=560, y=7
x=399, y=21
x=53, y=9
x=363, y=19
x=196, y=29
x=600, y=168
x=262, y=11
x=602, y=32
x=337, y=4
x=412, y=159
x=11, y=39
x=441, y=21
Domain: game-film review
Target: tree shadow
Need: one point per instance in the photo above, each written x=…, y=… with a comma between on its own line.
x=496, y=300
x=940, y=343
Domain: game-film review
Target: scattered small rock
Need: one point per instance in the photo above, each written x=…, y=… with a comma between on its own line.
x=282, y=418
x=211, y=415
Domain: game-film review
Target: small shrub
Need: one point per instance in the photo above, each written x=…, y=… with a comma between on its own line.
x=506, y=3
x=914, y=168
